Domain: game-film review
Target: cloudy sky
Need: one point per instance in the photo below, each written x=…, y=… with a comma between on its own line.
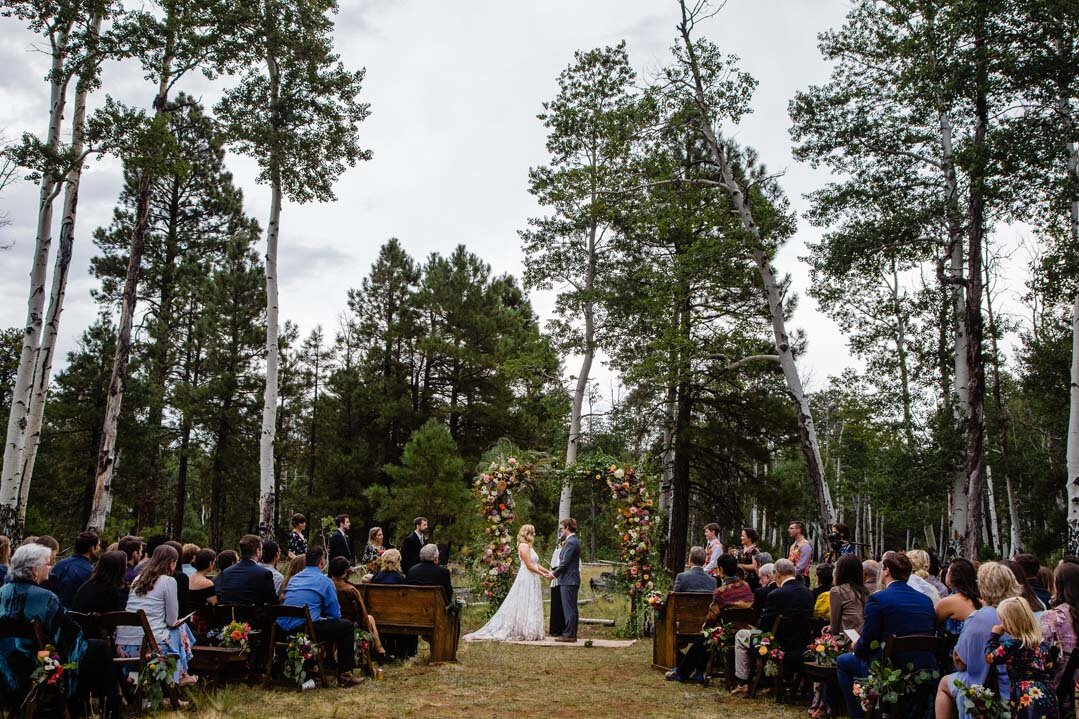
x=454, y=89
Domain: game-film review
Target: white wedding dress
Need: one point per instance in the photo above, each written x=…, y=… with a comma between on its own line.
x=520, y=618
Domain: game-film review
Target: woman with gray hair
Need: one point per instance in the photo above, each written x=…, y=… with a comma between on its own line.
x=22, y=598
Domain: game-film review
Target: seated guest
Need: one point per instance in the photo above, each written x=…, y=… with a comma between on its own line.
x=1026, y=591
x=695, y=579
x=312, y=589
x=23, y=598
x=132, y=547
x=935, y=575
x=914, y=581
x=821, y=597
x=297, y=565
x=767, y=573
x=151, y=545
x=1026, y=657
x=154, y=592
x=187, y=558
x=225, y=559
x=428, y=572
x=183, y=582
x=963, y=597
x=791, y=599
x=5, y=556
x=271, y=552
x=896, y=610
x=847, y=597
x=920, y=575
x=733, y=591
x=1031, y=568
x=71, y=573
x=297, y=543
x=350, y=599
x=104, y=591
x=201, y=593
x=1061, y=623
x=390, y=570
x=46, y=541
x=871, y=572
x=246, y=582
x=373, y=550
x=995, y=584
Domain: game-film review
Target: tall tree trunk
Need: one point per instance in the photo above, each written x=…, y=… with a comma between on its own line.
x=1072, y=453
x=901, y=355
x=573, y=442
x=994, y=525
x=35, y=305
x=679, y=521
x=106, y=455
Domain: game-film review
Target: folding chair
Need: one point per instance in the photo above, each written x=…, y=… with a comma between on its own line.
x=28, y=631
x=741, y=618
x=109, y=623
x=279, y=638
x=791, y=658
x=353, y=609
x=909, y=644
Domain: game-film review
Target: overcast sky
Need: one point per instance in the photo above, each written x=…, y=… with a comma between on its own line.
x=454, y=89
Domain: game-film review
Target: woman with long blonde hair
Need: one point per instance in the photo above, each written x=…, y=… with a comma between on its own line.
x=520, y=617
x=1017, y=644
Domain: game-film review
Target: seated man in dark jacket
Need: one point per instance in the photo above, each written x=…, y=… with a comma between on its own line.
x=695, y=579
x=246, y=582
x=428, y=572
x=71, y=573
x=896, y=610
x=767, y=575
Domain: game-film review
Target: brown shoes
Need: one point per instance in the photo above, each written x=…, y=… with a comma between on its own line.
x=568, y=640
x=348, y=680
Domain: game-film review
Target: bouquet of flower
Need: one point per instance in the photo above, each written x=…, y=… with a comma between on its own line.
x=301, y=650
x=158, y=673
x=236, y=635
x=980, y=703
x=656, y=600
x=721, y=635
x=766, y=647
x=49, y=671
x=825, y=649
x=885, y=683
x=364, y=641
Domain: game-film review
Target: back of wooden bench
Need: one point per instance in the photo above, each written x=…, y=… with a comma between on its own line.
x=680, y=621
x=403, y=608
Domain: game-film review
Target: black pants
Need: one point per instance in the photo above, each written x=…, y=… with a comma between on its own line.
x=569, y=608
x=343, y=634
x=695, y=660
x=558, y=618
x=97, y=676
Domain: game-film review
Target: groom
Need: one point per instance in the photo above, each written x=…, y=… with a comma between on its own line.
x=568, y=573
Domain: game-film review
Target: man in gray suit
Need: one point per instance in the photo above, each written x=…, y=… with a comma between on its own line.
x=695, y=580
x=568, y=573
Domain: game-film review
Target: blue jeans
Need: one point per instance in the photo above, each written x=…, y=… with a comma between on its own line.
x=848, y=668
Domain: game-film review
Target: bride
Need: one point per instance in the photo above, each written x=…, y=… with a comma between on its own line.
x=521, y=615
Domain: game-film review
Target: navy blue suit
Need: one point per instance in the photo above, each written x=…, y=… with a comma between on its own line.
x=67, y=576
x=245, y=583
x=895, y=611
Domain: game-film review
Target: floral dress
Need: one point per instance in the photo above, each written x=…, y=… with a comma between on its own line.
x=1030, y=671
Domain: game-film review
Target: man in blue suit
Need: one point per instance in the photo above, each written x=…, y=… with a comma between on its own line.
x=897, y=610
x=246, y=582
x=568, y=572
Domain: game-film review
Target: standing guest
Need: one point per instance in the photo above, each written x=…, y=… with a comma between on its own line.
x=348, y=598
x=749, y=556
x=847, y=597
x=428, y=572
x=995, y=584
x=410, y=548
x=200, y=592
x=104, y=591
x=132, y=547
x=768, y=584
x=187, y=558
x=71, y=573
x=1061, y=623
x=297, y=565
x=714, y=547
x=312, y=589
x=1025, y=654
x=23, y=598
x=1032, y=569
x=154, y=592
x=557, y=623
x=271, y=553
x=821, y=597
x=790, y=599
x=1026, y=591
x=693, y=579
x=340, y=546
x=919, y=559
x=297, y=544
x=801, y=554
x=896, y=610
x=963, y=598
x=5, y=556
x=871, y=572
x=246, y=582
x=840, y=541
x=373, y=550
x=390, y=571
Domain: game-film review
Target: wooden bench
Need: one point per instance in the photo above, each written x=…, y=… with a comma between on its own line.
x=677, y=624
x=416, y=610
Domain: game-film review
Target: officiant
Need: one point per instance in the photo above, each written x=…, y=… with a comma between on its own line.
x=558, y=618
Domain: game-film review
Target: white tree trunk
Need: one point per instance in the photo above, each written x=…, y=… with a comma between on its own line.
x=1072, y=454
x=35, y=305
x=667, y=469
x=565, y=499
x=994, y=524
x=1013, y=517
x=267, y=497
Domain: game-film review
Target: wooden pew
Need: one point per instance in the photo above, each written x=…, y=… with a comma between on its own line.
x=679, y=623
x=422, y=611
